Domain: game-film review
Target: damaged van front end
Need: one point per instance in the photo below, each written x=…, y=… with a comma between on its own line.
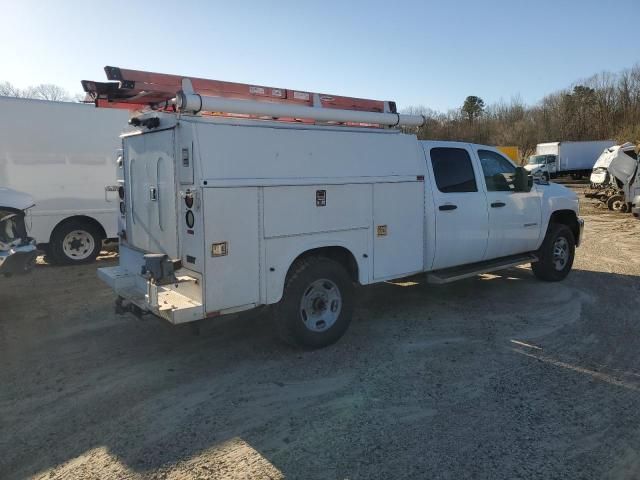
x=18, y=251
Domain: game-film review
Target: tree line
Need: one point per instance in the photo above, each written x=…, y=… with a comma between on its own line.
x=604, y=106
x=43, y=91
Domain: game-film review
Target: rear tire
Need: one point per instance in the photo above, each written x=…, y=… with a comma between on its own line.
x=555, y=256
x=317, y=303
x=75, y=242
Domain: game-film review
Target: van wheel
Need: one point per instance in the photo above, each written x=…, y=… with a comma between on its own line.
x=316, y=305
x=75, y=242
x=555, y=257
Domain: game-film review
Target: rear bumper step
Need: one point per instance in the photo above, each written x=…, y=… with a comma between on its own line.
x=174, y=302
x=452, y=274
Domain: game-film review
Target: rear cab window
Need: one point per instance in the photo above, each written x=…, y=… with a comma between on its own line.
x=453, y=170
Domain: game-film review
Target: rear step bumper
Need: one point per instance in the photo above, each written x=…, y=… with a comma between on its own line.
x=174, y=302
x=452, y=274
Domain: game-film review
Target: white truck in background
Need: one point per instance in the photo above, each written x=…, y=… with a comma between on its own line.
x=17, y=250
x=556, y=159
x=295, y=204
x=64, y=155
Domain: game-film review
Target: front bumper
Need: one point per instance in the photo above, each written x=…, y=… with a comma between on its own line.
x=18, y=259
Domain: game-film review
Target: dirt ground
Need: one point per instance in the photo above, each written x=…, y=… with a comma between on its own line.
x=499, y=376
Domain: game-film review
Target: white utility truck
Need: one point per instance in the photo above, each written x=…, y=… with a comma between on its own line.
x=17, y=250
x=224, y=214
x=555, y=159
x=63, y=154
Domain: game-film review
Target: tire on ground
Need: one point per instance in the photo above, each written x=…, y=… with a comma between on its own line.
x=615, y=203
x=74, y=242
x=552, y=266
x=317, y=289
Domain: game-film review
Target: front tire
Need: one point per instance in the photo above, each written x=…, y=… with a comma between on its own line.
x=555, y=256
x=75, y=242
x=317, y=303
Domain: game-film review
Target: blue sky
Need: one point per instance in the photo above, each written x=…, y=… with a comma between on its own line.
x=430, y=53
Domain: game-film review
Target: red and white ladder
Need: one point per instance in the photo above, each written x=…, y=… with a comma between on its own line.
x=139, y=90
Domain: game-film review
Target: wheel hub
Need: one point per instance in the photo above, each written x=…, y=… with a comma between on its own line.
x=560, y=253
x=78, y=245
x=320, y=305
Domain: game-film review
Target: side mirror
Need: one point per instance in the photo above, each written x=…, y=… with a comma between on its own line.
x=522, y=181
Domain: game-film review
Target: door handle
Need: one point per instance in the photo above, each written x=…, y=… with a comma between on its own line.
x=447, y=206
x=498, y=204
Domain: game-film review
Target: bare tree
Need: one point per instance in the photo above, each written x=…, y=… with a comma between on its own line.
x=48, y=91
x=9, y=90
x=44, y=91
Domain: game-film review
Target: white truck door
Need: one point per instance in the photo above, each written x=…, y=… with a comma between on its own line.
x=462, y=225
x=514, y=217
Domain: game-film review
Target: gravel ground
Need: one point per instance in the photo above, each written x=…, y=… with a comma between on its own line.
x=499, y=376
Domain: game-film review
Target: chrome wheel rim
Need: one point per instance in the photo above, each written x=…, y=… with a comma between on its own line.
x=560, y=253
x=78, y=245
x=320, y=305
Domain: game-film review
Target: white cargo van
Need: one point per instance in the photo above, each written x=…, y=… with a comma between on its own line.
x=223, y=214
x=64, y=155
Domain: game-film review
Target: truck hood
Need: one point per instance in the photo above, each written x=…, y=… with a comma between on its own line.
x=531, y=168
x=10, y=198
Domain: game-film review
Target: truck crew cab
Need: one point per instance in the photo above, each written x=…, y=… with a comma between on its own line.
x=222, y=214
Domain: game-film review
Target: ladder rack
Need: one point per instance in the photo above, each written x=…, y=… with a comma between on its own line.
x=139, y=90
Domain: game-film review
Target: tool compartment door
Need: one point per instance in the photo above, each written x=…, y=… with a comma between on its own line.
x=398, y=229
x=232, y=262
x=150, y=197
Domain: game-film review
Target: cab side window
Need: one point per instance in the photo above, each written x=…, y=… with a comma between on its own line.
x=453, y=170
x=498, y=171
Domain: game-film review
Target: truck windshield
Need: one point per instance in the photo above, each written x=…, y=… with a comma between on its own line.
x=537, y=159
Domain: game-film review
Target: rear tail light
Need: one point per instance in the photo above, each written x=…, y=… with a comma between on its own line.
x=188, y=200
x=121, y=192
x=190, y=219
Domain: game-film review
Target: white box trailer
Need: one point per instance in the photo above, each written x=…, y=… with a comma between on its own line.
x=555, y=159
x=222, y=215
x=64, y=155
